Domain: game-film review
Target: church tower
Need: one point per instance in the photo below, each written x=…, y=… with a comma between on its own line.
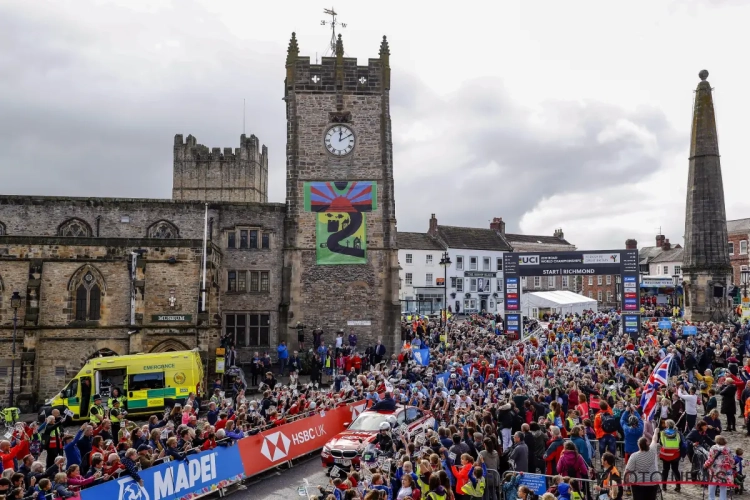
x=706, y=264
x=340, y=255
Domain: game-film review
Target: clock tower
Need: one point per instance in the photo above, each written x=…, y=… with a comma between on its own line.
x=340, y=254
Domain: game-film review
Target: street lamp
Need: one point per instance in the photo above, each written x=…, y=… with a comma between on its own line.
x=745, y=281
x=15, y=303
x=445, y=262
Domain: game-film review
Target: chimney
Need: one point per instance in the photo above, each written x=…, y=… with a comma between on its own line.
x=660, y=240
x=631, y=244
x=498, y=225
x=559, y=234
x=433, y=226
x=666, y=245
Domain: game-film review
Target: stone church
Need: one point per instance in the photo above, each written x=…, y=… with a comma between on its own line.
x=121, y=276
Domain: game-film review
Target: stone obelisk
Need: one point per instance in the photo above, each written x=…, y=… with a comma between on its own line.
x=706, y=266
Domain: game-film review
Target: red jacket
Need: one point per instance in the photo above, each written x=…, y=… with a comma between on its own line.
x=19, y=450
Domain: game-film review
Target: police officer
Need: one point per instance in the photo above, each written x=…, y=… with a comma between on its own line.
x=116, y=395
x=116, y=414
x=96, y=412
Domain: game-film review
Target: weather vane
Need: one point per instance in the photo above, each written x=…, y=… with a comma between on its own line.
x=332, y=23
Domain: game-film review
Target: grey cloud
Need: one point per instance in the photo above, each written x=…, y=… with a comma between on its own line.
x=514, y=163
x=89, y=112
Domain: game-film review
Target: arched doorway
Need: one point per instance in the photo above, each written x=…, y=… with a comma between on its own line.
x=170, y=345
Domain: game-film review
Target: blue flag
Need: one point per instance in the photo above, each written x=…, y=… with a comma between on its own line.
x=422, y=356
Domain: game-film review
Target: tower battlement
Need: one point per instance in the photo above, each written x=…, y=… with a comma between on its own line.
x=239, y=175
x=337, y=73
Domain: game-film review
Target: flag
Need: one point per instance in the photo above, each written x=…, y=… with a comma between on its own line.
x=656, y=381
x=422, y=356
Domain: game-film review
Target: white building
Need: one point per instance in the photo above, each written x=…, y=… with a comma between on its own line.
x=475, y=275
x=421, y=276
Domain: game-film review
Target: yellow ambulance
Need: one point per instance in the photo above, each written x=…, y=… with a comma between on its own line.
x=148, y=382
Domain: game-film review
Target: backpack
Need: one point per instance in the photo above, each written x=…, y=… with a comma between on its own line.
x=609, y=423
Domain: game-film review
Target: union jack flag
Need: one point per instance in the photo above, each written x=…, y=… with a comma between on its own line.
x=656, y=381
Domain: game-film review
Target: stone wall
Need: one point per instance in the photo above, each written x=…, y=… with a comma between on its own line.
x=229, y=176
x=331, y=295
x=52, y=346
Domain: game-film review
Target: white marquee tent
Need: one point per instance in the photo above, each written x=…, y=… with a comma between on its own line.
x=535, y=303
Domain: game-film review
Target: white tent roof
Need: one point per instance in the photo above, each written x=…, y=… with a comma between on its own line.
x=559, y=298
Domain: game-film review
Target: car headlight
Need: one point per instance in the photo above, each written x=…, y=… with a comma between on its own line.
x=326, y=450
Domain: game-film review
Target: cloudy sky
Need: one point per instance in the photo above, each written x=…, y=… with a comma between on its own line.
x=547, y=113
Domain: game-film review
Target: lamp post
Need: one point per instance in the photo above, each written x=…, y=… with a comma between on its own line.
x=675, y=284
x=445, y=262
x=15, y=303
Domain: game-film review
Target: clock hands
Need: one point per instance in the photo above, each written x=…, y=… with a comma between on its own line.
x=348, y=136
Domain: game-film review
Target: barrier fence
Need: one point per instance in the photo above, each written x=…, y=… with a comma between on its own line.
x=206, y=472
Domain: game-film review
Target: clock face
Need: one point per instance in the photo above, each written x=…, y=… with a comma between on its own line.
x=339, y=140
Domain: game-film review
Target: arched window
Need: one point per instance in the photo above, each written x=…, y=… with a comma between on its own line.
x=86, y=288
x=75, y=228
x=163, y=230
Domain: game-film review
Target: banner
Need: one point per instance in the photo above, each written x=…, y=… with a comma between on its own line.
x=690, y=330
x=293, y=440
x=340, y=208
x=664, y=324
x=197, y=474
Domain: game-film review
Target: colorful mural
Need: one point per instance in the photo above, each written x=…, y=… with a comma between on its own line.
x=341, y=206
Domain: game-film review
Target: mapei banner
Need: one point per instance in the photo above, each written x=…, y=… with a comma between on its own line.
x=195, y=476
x=208, y=471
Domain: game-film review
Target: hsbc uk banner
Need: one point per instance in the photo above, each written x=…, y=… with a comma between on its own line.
x=295, y=439
x=208, y=471
x=195, y=476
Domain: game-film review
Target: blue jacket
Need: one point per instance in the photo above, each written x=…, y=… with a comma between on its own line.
x=72, y=453
x=282, y=351
x=583, y=449
x=632, y=434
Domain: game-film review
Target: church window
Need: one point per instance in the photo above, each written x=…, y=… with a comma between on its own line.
x=231, y=237
x=232, y=281
x=253, y=239
x=163, y=230
x=74, y=228
x=86, y=290
x=264, y=281
x=265, y=240
x=243, y=238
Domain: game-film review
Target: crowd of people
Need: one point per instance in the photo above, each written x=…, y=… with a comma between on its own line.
x=576, y=400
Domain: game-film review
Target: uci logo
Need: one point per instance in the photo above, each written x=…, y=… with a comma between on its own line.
x=528, y=260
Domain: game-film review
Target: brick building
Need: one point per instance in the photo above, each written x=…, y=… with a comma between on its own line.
x=121, y=276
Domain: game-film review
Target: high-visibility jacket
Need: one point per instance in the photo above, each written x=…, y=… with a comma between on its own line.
x=96, y=414
x=114, y=415
x=474, y=491
x=670, y=447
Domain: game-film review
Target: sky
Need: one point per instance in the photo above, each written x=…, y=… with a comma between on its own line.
x=572, y=115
